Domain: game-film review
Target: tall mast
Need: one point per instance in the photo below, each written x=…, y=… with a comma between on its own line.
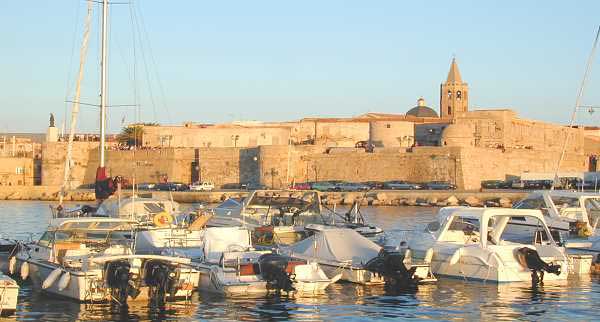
x=103, y=80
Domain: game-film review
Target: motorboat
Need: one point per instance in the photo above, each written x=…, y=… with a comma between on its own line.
x=160, y=226
x=92, y=260
x=232, y=267
x=474, y=243
x=270, y=208
x=9, y=292
x=278, y=217
x=573, y=214
x=345, y=251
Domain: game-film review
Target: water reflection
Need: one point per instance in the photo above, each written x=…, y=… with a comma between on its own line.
x=449, y=299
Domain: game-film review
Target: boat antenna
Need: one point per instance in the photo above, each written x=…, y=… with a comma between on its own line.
x=588, y=69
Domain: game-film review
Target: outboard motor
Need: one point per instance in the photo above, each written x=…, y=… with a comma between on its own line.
x=390, y=265
x=273, y=270
x=530, y=258
x=161, y=278
x=116, y=275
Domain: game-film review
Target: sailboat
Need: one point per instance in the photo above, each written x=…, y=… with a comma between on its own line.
x=160, y=225
x=93, y=259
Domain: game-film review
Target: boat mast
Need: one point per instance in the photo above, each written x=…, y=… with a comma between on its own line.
x=103, y=81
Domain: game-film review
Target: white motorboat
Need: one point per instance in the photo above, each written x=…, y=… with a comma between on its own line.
x=574, y=214
x=270, y=208
x=343, y=250
x=473, y=243
x=161, y=226
x=91, y=259
x=9, y=292
x=232, y=267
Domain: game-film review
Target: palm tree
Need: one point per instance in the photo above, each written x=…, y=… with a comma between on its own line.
x=131, y=135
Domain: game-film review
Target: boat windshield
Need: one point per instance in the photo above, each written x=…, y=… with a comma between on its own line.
x=462, y=229
x=536, y=202
x=565, y=202
x=510, y=235
x=592, y=206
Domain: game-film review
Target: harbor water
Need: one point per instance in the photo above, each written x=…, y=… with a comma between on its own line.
x=449, y=299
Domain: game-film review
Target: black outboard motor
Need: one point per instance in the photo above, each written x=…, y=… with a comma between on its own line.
x=390, y=265
x=116, y=275
x=273, y=270
x=161, y=278
x=530, y=258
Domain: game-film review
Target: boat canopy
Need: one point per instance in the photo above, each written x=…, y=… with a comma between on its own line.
x=136, y=207
x=91, y=224
x=337, y=246
x=218, y=240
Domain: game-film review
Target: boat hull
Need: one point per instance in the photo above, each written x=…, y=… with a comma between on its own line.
x=9, y=292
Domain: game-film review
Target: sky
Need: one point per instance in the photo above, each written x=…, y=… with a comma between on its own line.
x=222, y=61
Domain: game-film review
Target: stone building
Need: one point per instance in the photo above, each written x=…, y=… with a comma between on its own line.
x=454, y=93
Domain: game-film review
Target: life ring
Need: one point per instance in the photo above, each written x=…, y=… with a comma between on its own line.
x=162, y=219
x=585, y=231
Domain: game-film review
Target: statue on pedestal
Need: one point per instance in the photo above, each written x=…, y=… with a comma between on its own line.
x=51, y=120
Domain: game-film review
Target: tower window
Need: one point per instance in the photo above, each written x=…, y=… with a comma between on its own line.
x=458, y=95
x=449, y=94
x=388, y=126
x=449, y=110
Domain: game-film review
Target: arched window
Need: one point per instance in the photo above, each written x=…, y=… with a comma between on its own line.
x=449, y=94
x=458, y=95
x=449, y=110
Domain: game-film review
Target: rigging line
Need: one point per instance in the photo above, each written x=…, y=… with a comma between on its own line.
x=586, y=74
x=157, y=75
x=144, y=60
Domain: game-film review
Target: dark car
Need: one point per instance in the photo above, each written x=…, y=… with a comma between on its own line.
x=495, y=184
x=233, y=186
x=439, y=185
x=400, y=185
x=146, y=186
x=253, y=186
x=172, y=186
x=351, y=186
x=538, y=184
x=374, y=184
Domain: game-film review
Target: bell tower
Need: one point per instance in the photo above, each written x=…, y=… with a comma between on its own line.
x=454, y=94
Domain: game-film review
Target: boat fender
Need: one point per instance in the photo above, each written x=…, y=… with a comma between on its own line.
x=428, y=255
x=64, y=281
x=49, y=281
x=24, y=270
x=12, y=265
x=162, y=219
x=455, y=257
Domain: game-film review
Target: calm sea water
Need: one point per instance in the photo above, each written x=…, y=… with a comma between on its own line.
x=449, y=299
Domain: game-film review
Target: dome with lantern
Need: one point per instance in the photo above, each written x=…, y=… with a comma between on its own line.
x=421, y=110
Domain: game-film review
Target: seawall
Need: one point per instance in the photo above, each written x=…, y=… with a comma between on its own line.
x=374, y=198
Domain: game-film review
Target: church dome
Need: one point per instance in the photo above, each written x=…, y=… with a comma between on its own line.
x=421, y=110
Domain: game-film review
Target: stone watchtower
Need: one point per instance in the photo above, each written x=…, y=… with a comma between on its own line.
x=454, y=94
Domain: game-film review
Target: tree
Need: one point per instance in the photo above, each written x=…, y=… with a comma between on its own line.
x=132, y=134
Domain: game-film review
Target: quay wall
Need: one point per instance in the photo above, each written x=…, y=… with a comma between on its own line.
x=277, y=166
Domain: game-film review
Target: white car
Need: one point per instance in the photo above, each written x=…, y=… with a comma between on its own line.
x=202, y=186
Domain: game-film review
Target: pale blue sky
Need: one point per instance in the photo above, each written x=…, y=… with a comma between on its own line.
x=219, y=61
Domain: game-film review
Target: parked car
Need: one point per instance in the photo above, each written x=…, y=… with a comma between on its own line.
x=439, y=185
x=172, y=186
x=146, y=186
x=401, y=185
x=495, y=184
x=374, y=184
x=538, y=184
x=324, y=185
x=352, y=186
x=202, y=186
x=301, y=186
x=253, y=186
x=518, y=184
x=233, y=186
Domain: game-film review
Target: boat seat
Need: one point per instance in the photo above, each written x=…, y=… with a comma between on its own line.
x=200, y=222
x=67, y=246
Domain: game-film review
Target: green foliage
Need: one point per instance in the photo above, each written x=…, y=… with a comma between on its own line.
x=132, y=134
